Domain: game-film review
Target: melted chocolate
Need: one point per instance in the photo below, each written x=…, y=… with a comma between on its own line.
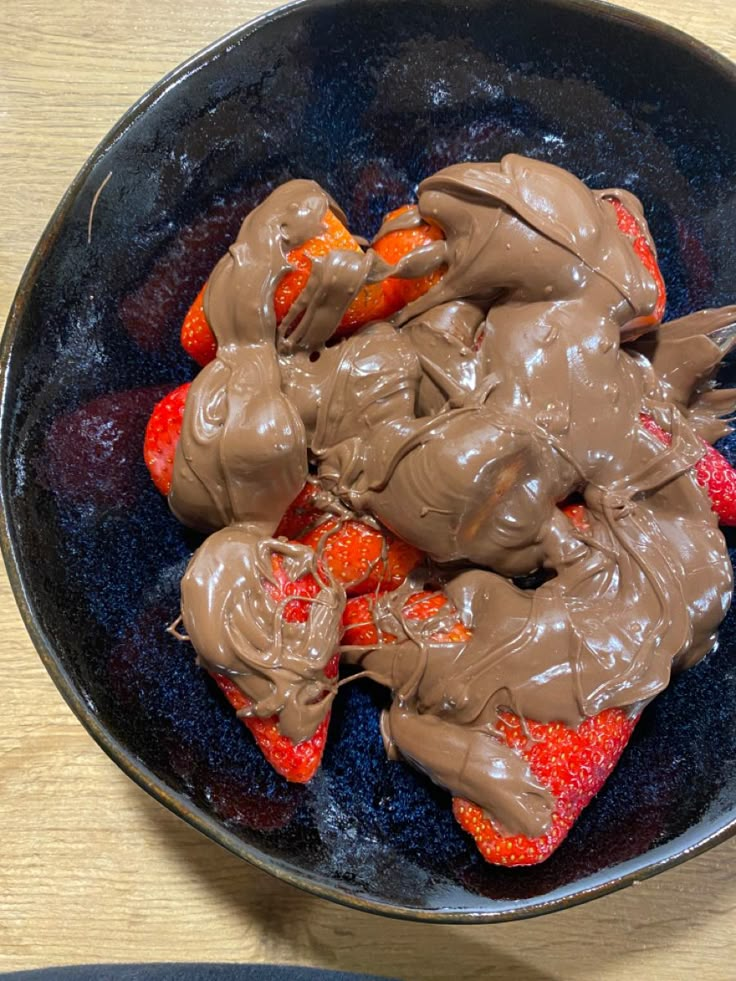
x=517, y=380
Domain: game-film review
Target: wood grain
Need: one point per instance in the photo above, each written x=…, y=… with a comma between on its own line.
x=91, y=869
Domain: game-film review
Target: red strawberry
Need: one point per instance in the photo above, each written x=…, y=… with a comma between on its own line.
x=365, y=306
x=295, y=762
x=139, y=673
x=196, y=336
x=199, y=341
x=394, y=246
x=712, y=471
x=718, y=477
x=360, y=557
x=162, y=435
x=572, y=763
x=300, y=515
x=360, y=628
x=629, y=226
x=578, y=516
x=300, y=591
x=357, y=619
x=422, y=605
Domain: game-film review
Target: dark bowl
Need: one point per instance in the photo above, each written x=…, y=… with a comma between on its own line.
x=366, y=98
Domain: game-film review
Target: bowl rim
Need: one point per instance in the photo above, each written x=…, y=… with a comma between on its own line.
x=713, y=830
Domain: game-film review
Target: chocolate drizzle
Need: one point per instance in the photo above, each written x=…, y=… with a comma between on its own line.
x=518, y=379
x=280, y=663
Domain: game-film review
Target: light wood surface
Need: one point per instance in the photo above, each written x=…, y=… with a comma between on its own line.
x=91, y=869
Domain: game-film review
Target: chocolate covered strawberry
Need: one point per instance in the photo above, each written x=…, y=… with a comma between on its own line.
x=353, y=553
x=572, y=764
x=359, y=556
x=296, y=762
x=362, y=558
x=199, y=341
x=301, y=515
x=392, y=247
x=365, y=306
x=644, y=249
x=162, y=435
x=712, y=471
x=196, y=336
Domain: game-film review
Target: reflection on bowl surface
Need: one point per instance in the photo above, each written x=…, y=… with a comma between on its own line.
x=367, y=99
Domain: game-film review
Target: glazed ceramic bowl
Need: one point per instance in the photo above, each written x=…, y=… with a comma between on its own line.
x=367, y=98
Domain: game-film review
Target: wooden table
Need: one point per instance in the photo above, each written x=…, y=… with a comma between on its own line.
x=93, y=870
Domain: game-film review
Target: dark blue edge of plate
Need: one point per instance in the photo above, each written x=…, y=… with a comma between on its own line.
x=692, y=843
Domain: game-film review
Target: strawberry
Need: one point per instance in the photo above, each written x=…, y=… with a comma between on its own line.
x=299, y=762
x=718, y=477
x=300, y=515
x=360, y=628
x=298, y=591
x=365, y=306
x=360, y=557
x=629, y=226
x=422, y=605
x=393, y=246
x=572, y=763
x=578, y=516
x=198, y=340
x=162, y=435
x=196, y=336
x=712, y=471
x=296, y=763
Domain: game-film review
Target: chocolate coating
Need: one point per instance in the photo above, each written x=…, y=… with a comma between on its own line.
x=517, y=380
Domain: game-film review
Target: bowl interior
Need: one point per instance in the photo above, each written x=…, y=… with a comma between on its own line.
x=366, y=98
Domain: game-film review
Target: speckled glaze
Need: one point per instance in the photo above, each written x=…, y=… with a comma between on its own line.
x=366, y=98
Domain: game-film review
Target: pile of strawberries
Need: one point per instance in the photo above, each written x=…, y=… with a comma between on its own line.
x=572, y=763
